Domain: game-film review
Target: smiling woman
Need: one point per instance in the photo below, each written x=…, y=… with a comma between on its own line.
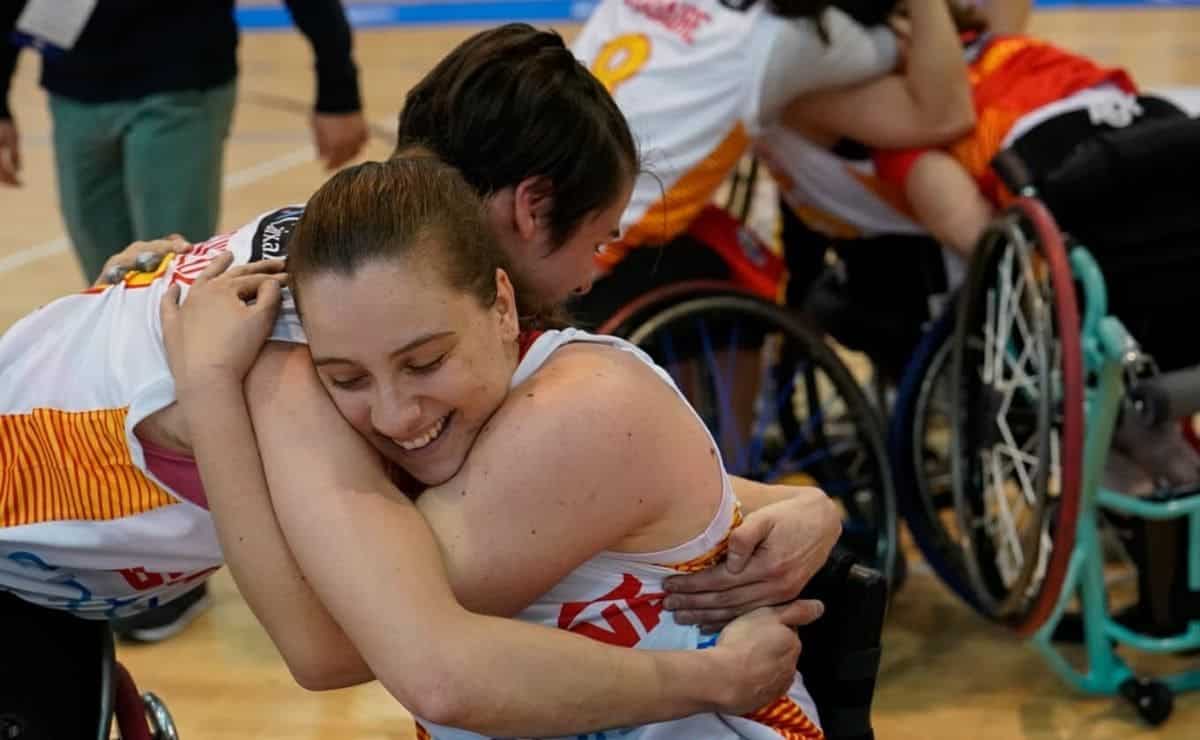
x=415, y=368
x=568, y=458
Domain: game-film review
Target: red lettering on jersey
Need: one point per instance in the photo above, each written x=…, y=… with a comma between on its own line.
x=680, y=18
x=142, y=580
x=139, y=579
x=190, y=265
x=647, y=607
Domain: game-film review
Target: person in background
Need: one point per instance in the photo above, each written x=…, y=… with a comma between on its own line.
x=141, y=102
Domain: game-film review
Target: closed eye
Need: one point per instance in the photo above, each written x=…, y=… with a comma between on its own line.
x=429, y=366
x=348, y=383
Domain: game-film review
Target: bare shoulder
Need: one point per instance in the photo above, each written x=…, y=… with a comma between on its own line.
x=597, y=405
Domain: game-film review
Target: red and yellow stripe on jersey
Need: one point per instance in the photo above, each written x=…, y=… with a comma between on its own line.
x=1011, y=77
x=669, y=216
x=85, y=523
x=61, y=465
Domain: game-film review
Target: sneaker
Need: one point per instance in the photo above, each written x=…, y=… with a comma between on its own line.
x=162, y=622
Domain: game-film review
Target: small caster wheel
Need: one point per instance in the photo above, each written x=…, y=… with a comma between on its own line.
x=1152, y=699
x=161, y=724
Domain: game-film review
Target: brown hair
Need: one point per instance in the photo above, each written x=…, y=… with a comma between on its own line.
x=405, y=207
x=513, y=102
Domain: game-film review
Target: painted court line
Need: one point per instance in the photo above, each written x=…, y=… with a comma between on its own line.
x=232, y=181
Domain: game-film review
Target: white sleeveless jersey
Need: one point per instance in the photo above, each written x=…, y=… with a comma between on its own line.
x=841, y=198
x=838, y=197
x=617, y=597
x=84, y=526
x=698, y=80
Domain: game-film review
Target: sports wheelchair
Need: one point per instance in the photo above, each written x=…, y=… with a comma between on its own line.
x=1040, y=375
x=810, y=422
x=60, y=679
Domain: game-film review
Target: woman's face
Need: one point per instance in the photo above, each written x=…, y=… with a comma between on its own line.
x=571, y=269
x=415, y=366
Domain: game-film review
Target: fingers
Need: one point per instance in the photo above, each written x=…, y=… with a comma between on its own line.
x=744, y=540
x=250, y=286
x=800, y=612
x=738, y=597
x=10, y=165
x=10, y=154
x=168, y=307
x=219, y=264
x=716, y=579
x=339, y=137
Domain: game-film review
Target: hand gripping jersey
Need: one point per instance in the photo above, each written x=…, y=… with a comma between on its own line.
x=698, y=80
x=617, y=598
x=84, y=524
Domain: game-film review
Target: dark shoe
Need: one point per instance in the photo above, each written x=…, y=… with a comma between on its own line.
x=162, y=622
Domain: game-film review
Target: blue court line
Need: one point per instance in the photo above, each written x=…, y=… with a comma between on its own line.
x=368, y=15
x=377, y=14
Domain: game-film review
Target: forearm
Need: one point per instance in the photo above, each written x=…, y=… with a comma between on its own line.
x=316, y=649
x=936, y=74
x=947, y=201
x=754, y=496
x=518, y=679
x=324, y=23
x=374, y=562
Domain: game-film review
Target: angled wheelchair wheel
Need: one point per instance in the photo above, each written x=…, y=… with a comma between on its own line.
x=1017, y=436
x=919, y=450
x=780, y=404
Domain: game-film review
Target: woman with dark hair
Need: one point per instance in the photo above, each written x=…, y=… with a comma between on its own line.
x=700, y=80
x=113, y=501
x=566, y=457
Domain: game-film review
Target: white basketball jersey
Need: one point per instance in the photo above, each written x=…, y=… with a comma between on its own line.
x=836, y=196
x=616, y=598
x=84, y=525
x=698, y=80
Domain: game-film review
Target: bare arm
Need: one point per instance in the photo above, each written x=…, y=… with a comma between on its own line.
x=317, y=651
x=930, y=104
x=947, y=201
x=375, y=564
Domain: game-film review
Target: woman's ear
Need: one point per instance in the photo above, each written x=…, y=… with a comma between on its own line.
x=531, y=207
x=505, y=307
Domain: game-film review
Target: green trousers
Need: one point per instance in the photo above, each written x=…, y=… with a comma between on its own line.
x=140, y=169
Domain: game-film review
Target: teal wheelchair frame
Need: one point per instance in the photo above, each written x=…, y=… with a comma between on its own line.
x=1107, y=349
x=1032, y=555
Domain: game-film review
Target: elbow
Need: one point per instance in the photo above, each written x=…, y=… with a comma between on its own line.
x=434, y=696
x=327, y=673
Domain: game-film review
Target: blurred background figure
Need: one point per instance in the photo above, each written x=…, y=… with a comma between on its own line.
x=141, y=97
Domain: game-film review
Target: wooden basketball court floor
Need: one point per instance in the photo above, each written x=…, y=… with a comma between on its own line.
x=946, y=674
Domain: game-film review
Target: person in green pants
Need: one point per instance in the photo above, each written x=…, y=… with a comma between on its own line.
x=141, y=105
x=141, y=101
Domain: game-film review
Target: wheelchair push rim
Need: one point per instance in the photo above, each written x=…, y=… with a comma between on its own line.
x=919, y=448
x=810, y=422
x=1017, y=437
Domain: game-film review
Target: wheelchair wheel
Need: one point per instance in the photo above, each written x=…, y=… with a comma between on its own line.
x=919, y=450
x=1017, y=436
x=795, y=415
